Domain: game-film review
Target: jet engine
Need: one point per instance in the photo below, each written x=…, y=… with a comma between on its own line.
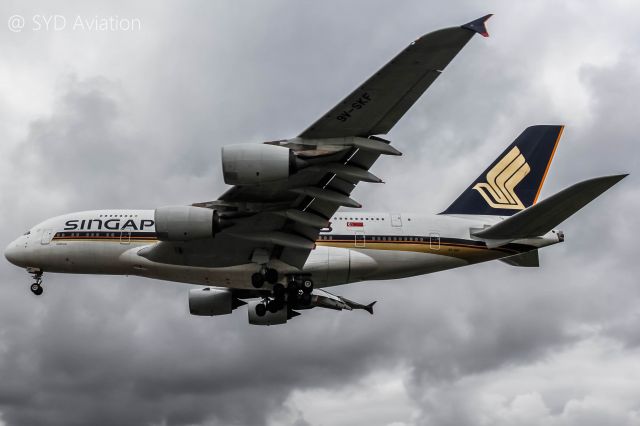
x=212, y=301
x=253, y=164
x=185, y=223
x=269, y=318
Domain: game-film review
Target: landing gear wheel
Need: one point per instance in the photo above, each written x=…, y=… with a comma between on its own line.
x=261, y=309
x=36, y=287
x=307, y=286
x=273, y=306
x=271, y=275
x=278, y=291
x=257, y=280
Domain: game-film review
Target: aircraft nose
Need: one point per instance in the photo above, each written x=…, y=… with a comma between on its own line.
x=13, y=253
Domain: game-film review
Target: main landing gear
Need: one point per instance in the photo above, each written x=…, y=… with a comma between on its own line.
x=269, y=275
x=296, y=295
x=36, y=287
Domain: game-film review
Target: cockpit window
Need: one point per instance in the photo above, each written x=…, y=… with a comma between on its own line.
x=27, y=233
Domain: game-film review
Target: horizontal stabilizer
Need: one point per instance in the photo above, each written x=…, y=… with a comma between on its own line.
x=491, y=243
x=545, y=215
x=528, y=259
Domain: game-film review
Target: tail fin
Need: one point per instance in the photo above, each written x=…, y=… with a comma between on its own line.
x=514, y=180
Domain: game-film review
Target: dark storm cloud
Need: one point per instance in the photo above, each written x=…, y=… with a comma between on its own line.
x=119, y=350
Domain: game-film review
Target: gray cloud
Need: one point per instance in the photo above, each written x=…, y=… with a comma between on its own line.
x=137, y=120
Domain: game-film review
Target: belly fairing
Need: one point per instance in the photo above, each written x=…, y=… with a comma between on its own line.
x=334, y=266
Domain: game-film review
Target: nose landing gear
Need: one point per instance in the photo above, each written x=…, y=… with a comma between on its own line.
x=36, y=287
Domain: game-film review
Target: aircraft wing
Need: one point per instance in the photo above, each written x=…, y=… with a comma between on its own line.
x=281, y=220
x=377, y=105
x=285, y=218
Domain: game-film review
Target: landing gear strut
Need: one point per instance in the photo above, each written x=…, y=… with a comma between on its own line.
x=36, y=287
x=275, y=303
x=297, y=294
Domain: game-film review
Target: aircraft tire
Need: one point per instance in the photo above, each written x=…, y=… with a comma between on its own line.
x=273, y=306
x=278, y=291
x=271, y=276
x=307, y=286
x=36, y=289
x=261, y=309
x=257, y=280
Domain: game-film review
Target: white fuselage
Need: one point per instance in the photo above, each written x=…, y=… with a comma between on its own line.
x=358, y=246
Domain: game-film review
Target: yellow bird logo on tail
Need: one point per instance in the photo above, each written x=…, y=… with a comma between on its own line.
x=502, y=179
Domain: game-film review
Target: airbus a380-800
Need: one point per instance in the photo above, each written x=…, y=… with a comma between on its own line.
x=276, y=237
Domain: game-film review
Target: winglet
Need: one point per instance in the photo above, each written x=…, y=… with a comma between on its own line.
x=478, y=25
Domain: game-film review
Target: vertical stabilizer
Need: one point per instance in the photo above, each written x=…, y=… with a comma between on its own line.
x=514, y=180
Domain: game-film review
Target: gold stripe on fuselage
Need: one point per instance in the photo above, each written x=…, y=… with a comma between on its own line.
x=469, y=253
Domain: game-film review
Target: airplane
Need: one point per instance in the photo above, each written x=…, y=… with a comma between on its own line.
x=276, y=239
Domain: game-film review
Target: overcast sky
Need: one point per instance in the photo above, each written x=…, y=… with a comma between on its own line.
x=135, y=119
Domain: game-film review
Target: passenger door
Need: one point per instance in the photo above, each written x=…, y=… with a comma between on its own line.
x=125, y=237
x=434, y=241
x=47, y=236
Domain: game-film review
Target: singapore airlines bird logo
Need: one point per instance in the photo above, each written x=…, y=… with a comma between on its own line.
x=502, y=179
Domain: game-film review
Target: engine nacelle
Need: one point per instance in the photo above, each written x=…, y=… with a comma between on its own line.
x=253, y=164
x=211, y=301
x=185, y=223
x=280, y=317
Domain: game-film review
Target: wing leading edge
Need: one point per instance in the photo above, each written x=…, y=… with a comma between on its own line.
x=377, y=105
